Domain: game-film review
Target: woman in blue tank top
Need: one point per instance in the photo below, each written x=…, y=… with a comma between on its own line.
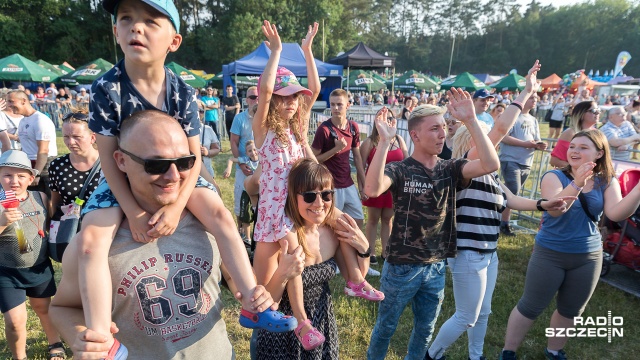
x=567, y=255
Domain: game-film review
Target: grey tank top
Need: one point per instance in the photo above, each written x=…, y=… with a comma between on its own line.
x=34, y=219
x=166, y=298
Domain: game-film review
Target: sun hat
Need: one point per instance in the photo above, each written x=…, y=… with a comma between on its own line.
x=166, y=7
x=17, y=159
x=482, y=94
x=287, y=83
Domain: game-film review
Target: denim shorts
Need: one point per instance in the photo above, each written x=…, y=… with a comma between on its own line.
x=103, y=198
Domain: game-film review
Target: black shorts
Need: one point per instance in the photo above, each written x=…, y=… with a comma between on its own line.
x=12, y=297
x=555, y=124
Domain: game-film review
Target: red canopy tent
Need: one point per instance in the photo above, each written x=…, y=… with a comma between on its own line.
x=551, y=82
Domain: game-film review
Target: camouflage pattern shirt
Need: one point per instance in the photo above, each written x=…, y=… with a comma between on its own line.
x=424, y=223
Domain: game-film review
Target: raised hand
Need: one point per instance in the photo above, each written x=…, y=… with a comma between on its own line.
x=273, y=41
x=584, y=173
x=461, y=106
x=308, y=39
x=386, y=129
x=533, y=84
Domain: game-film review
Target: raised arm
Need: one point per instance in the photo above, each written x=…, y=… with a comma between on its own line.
x=376, y=182
x=312, y=71
x=461, y=107
x=504, y=123
x=267, y=82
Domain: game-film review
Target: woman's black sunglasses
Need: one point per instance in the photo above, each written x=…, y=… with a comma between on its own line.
x=77, y=116
x=161, y=166
x=310, y=196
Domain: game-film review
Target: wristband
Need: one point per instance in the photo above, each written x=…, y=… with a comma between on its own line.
x=517, y=104
x=575, y=186
x=365, y=255
x=539, y=204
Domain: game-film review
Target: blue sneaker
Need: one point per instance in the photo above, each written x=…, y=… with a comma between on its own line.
x=508, y=355
x=270, y=320
x=561, y=355
x=117, y=352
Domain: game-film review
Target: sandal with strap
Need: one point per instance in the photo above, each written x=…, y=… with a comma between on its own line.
x=117, y=352
x=270, y=320
x=58, y=354
x=358, y=290
x=312, y=339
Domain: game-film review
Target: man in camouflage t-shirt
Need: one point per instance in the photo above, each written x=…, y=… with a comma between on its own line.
x=423, y=187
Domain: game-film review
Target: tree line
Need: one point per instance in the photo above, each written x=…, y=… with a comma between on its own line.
x=487, y=36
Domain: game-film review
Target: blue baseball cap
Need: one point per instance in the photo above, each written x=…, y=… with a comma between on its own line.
x=166, y=7
x=482, y=94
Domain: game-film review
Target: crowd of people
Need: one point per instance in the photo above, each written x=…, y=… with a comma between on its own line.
x=155, y=229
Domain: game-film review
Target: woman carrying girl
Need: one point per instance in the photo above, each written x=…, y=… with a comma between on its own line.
x=309, y=205
x=280, y=132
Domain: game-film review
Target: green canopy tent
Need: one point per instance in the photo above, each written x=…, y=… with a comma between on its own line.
x=511, y=82
x=51, y=68
x=361, y=80
x=65, y=67
x=413, y=80
x=464, y=81
x=18, y=68
x=186, y=75
x=88, y=73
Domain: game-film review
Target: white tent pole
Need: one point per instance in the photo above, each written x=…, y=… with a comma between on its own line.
x=347, y=79
x=393, y=80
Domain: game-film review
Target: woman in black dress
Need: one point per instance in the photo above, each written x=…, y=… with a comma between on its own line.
x=309, y=205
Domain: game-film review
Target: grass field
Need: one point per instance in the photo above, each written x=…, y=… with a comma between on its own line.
x=356, y=317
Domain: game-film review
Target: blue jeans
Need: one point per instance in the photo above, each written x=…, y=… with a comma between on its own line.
x=423, y=286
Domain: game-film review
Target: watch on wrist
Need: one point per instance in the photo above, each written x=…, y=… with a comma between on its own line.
x=539, y=204
x=365, y=255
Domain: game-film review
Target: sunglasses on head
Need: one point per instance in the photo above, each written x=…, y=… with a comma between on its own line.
x=595, y=111
x=310, y=196
x=77, y=116
x=161, y=166
x=252, y=97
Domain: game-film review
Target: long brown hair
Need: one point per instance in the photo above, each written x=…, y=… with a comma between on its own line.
x=374, y=136
x=306, y=175
x=276, y=124
x=604, y=166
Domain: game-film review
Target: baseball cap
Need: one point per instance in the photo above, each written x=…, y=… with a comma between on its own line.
x=166, y=7
x=482, y=94
x=287, y=83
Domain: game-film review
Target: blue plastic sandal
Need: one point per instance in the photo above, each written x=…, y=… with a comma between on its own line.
x=270, y=320
x=117, y=352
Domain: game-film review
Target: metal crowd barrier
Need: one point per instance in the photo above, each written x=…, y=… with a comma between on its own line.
x=54, y=111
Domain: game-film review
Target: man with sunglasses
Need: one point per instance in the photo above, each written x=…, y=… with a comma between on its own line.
x=241, y=132
x=37, y=135
x=165, y=293
x=516, y=154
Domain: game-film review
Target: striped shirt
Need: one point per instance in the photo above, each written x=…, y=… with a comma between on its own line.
x=478, y=214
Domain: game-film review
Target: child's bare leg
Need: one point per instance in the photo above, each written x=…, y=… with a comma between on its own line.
x=352, y=266
x=88, y=283
x=210, y=211
x=295, y=288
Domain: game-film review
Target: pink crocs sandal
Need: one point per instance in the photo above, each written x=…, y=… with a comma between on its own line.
x=358, y=290
x=312, y=339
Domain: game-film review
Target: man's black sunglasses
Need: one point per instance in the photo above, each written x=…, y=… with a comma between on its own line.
x=77, y=116
x=161, y=166
x=310, y=196
x=252, y=97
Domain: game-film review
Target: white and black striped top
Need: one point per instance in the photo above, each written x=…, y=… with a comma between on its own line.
x=478, y=214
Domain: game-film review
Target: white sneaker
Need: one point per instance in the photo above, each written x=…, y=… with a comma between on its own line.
x=373, y=272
